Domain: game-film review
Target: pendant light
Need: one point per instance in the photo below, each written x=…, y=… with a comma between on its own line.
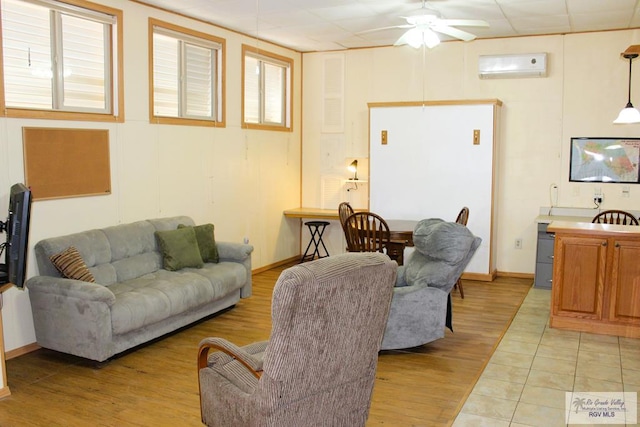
x=629, y=114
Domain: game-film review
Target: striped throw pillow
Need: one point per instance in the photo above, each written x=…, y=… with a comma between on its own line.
x=70, y=263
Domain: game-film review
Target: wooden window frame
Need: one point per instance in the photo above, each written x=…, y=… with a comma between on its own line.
x=220, y=81
x=117, y=79
x=255, y=52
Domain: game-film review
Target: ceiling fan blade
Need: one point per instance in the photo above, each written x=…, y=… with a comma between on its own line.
x=464, y=22
x=453, y=32
x=385, y=28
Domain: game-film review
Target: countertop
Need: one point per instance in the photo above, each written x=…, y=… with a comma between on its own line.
x=593, y=229
x=548, y=214
x=546, y=219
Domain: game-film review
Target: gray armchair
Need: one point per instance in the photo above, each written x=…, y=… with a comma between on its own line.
x=318, y=368
x=421, y=303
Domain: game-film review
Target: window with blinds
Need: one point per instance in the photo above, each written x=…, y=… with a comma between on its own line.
x=57, y=57
x=186, y=75
x=266, y=100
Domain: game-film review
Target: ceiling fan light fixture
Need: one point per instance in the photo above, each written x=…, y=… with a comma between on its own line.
x=430, y=38
x=416, y=37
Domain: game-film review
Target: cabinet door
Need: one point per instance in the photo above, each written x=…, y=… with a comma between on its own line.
x=624, y=303
x=578, y=276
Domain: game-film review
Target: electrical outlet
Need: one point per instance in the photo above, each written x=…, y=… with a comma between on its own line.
x=518, y=243
x=598, y=196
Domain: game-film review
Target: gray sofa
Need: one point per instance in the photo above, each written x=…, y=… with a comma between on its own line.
x=134, y=299
x=420, y=308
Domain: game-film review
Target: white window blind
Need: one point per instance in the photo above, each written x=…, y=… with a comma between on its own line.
x=274, y=93
x=56, y=56
x=251, y=90
x=165, y=75
x=198, y=81
x=84, y=67
x=185, y=76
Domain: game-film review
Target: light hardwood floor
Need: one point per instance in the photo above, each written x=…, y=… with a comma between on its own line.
x=156, y=385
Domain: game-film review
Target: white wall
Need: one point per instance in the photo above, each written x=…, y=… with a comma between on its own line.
x=240, y=180
x=585, y=89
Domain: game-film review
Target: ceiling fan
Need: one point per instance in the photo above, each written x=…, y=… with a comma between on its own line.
x=426, y=22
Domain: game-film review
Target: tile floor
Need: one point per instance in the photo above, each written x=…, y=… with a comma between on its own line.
x=525, y=382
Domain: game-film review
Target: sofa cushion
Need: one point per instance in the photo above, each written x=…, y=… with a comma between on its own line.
x=225, y=277
x=157, y=296
x=133, y=247
x=70, y=263
x=179, y=248
x=92, y=245
x=206, y=241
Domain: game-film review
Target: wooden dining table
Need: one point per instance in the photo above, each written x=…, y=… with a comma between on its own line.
x=402, y=230
x=401, y=236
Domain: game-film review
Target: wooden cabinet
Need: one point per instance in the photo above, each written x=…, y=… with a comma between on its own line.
x=596, y=278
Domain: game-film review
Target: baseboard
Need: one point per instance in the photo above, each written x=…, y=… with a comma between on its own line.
x=489, y=277
x=515, y=275
x=276, y=264
x=5, y=392
x=21, y=350
x=480, y=277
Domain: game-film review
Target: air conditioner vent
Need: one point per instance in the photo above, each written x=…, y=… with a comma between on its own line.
x=510, y=66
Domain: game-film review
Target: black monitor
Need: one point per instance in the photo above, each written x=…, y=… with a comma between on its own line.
x=14, y=269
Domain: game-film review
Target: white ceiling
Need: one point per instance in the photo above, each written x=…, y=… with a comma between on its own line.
x=321, y=25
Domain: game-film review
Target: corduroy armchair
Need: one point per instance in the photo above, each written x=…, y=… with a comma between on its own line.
x=318, y=367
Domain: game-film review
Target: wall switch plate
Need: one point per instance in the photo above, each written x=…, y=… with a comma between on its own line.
x=476, y=137
x=626, y=190
x=383, y=137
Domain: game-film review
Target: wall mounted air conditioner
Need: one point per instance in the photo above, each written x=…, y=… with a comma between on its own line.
x=515, y=65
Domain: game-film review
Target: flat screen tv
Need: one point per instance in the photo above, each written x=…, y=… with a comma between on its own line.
x=13, y=270
x=615, y=160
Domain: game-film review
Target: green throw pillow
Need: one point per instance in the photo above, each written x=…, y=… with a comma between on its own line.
x=206, y=241
x=179, y=249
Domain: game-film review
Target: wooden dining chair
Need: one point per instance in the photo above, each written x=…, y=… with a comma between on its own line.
x=463, y=217
x=344, y=210
x=614, y=216
x=366, y=232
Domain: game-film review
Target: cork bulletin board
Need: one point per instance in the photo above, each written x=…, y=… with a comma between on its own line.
x=63, y=163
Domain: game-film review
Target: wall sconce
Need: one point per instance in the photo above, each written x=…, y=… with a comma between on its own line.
x=353, y=167
x=629, y=114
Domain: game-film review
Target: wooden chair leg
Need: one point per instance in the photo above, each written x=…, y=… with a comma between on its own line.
x=459, y=286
